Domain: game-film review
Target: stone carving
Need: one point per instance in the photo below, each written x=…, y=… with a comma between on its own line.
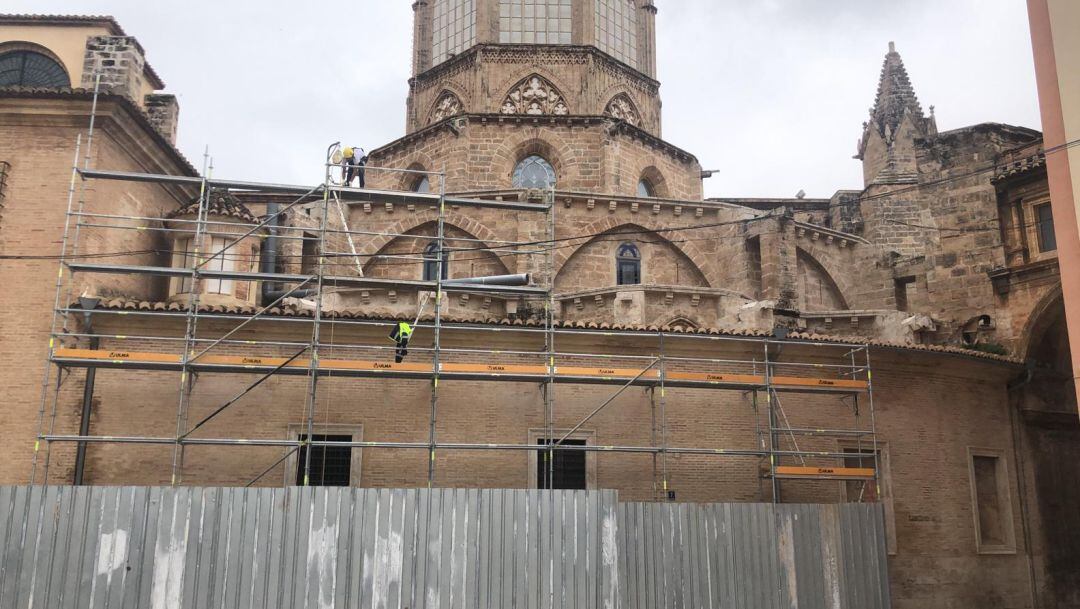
x=620, y=107
x=447, y=106
x=534, y=95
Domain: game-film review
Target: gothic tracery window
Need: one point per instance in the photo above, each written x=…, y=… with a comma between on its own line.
x=627, y=265
x=24, y=68
x=622, y=108
x=447, y=106
x=534, y=95
x=534, y=172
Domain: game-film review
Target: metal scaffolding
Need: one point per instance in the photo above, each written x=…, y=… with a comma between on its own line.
x=846, y=375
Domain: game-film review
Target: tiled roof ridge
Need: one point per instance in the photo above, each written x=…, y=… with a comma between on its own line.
x=22, y=17
x=220, y=202
x=356, y=314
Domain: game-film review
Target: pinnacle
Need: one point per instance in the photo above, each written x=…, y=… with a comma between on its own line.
x=895, y=95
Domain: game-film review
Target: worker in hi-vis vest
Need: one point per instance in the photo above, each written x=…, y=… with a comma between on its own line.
x=400, y=334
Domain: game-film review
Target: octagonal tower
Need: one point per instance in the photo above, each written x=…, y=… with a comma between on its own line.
x=571, y=83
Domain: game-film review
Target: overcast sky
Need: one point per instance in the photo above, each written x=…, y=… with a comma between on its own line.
x=770, y=92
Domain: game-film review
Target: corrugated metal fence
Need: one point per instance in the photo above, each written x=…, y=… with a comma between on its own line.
x=116, y=547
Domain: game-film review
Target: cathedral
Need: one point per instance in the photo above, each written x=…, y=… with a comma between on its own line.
x=533, y=149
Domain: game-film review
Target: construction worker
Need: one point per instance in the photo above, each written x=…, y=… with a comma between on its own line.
x=352, y=165
x=400, y=334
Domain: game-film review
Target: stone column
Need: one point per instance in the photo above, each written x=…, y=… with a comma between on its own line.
x=647, y=38
x=778, y=263
x=487, y=21
x=421, y=36
x=120, y=62
x=584, y=22
x=164, y=113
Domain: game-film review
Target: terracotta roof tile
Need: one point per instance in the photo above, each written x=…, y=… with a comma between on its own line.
x=357, y=314
x=219, y=202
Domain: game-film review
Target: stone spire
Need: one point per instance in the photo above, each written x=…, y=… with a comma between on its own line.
x=889, y=140
x=895, y=98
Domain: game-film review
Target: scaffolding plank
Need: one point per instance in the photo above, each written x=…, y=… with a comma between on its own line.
x=112, y=358
x=800, y=382
x=828, y=473
x=712, y=377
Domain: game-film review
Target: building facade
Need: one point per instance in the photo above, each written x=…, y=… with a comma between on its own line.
x=941, y=267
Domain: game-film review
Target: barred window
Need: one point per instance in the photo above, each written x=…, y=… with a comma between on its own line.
x=535, y=21
x=616, y=30
x=627, y=265
x=431, y=262
x=453, y=28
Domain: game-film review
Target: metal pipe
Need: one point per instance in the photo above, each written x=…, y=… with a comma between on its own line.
x=426, y=446
x=518, y=279
x=270, y=251
x=605, y=403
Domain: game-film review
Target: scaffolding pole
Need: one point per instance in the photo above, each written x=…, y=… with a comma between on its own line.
x=192, y=361
x=316, y=333
x=440, y=268
x=187, y=379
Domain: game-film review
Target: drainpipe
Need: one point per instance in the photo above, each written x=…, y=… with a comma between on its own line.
x=88, y=305
x=270, y=252
x=1015, y=398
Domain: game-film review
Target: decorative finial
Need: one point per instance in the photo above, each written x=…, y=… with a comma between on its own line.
x=892, y=47
x=931, y=111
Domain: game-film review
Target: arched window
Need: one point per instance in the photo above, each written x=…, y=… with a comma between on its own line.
x=29, y=69
x=422, y=184
x=431, y=262
x=645, y=189
x=627, y=265
x=534, y=172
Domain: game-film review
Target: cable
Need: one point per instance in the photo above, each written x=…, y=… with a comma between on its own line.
x=675, y=229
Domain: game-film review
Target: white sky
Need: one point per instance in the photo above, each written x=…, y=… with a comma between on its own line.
x=770, y=92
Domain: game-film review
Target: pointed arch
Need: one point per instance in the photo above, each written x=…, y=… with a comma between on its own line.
x=447, y=104
x=602, y=259
x=534, y=95
x=621, y=107
x=511, y=153
x=830, y=297
x=416, y=223
x=700, y=261
x=655, y=180
x=681, y=323
x=1040, y=318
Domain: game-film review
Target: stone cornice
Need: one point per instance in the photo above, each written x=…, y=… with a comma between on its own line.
x=475, y=53
x=85, y=95
x=570, y=119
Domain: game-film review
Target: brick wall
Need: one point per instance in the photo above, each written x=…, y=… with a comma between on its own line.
x=40, y=148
